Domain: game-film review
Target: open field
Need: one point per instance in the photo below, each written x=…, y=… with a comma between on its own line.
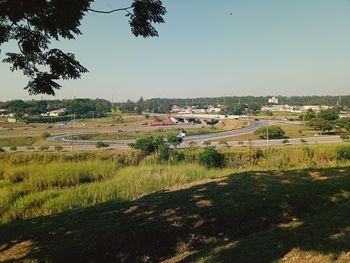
x=267, y=205
x=129, y=127
x=292, y=131
x=165, y=130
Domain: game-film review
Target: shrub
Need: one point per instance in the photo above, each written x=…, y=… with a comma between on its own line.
x=44, y=148
x=207, y=143
x=211, y=158
x=284, y=141
x=224, y=143
x=343, y=153
x=176, y=156
x=303, y=141
x=45, y=135
x=345, y=136
x=17, y=175
x=148, y=145
x=58, y=148
x=274, y=132
x=164, y=152
x=174, y=140
x=13, y=148
x=100, y=145
x=192, y=144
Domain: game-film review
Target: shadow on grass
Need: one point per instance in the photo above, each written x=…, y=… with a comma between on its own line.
x=248, y=217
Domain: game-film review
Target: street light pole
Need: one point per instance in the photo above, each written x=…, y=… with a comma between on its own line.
x=267, y=135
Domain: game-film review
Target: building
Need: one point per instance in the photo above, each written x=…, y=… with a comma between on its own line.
x=55, y=113
x=161, y=123
x=273, y=100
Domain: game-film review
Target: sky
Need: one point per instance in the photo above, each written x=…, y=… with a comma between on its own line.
x=208, y=48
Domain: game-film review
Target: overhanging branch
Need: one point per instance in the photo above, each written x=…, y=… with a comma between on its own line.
x=110, y=11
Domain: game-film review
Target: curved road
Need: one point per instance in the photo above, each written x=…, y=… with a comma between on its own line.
x=197, y=138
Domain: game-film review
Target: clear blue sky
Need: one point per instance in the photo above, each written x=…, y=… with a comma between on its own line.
x=266, y=47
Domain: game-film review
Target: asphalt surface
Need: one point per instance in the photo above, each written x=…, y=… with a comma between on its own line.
x=198, y=140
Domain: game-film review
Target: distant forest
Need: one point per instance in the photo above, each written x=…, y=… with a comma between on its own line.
x=234, y=104
x=163, y=105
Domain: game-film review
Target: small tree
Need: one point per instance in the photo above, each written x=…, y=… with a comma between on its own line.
x=321, y=125
x=274, y=132
x=211, y=158
x=328, y=115
x=148, y=145
x=100, y=145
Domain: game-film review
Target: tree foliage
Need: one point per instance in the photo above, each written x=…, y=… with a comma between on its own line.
x=328, y=115
x=148, y=145
x=35, y=24
x=174, y=140
x=211, y=158
x=321, y=125
x=100, y=145
x=274, y=132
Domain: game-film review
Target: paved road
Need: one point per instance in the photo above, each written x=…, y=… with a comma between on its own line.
x=198, y=138
x=256, y=143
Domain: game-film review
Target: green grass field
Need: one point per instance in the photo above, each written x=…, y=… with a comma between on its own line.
x=267, y=205
x=292, y=131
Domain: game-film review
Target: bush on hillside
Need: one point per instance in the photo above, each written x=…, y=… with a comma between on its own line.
x=148, y=145
x=211, y=158
x=343, y=153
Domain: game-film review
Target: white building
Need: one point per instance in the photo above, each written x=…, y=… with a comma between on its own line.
x=55, y=113
x=273, y=100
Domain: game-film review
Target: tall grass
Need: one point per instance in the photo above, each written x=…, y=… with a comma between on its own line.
x=127, y=184
x=34, y=184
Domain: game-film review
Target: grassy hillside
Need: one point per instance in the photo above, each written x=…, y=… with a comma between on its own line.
x=106, y=207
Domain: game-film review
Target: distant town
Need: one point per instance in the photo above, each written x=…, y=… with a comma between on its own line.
x=61, y=110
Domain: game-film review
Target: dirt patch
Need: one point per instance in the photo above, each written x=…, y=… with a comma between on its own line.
x=230, y=124
x=16, y=252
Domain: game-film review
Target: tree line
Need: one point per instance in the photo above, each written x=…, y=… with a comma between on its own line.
x=80, y=107
x=235, y=105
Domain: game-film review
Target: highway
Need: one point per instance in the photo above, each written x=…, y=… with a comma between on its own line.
x=200, y=139
x=197, y=138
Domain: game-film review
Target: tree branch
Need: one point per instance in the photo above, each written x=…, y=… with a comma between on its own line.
x=110, y=11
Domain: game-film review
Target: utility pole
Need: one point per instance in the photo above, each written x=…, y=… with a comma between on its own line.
x=267, y=135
